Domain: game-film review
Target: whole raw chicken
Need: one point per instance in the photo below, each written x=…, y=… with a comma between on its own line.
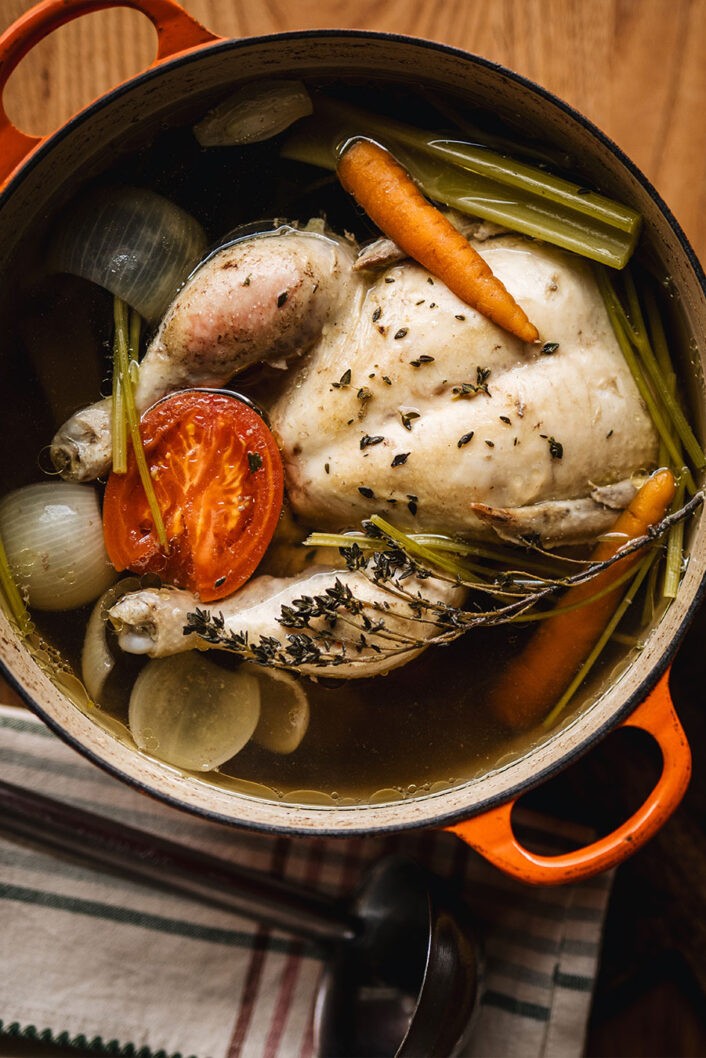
x=398, y=398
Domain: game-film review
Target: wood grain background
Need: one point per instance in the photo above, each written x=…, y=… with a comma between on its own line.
x=635, y=67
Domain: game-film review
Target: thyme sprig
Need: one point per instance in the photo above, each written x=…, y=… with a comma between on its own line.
x=339, y=626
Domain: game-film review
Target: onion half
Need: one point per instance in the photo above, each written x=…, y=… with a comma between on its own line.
x=191, y=713
x=97, y=659
x=135, y=243
x=53, y=537
x=284, y=710
x=256, y=112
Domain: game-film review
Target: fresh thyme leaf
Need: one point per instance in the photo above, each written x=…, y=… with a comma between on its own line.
x=549, y=347
x=399, y=459
x=408, y=417
x=366, y=440
x=344, y=380
x=254, y=461
x=556, y=449
x=470, y=389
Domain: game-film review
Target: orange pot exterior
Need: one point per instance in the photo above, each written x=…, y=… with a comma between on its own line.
x=177, y=32
x=491, y=834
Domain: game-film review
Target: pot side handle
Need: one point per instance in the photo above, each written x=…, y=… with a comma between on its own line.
x=176, y=30
x=491, y=833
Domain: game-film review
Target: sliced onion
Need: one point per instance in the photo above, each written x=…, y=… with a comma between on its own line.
x=53, y=537
x=135, y=243
x=257, y=111
x=97, y=659
x=192, y=713
x=284, y=710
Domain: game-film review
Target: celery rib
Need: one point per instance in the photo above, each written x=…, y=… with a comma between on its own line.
x=608, y=631
x=661, y=380
x=122, y=343
x=11, y=593
x=479, y=181
x=624, y=335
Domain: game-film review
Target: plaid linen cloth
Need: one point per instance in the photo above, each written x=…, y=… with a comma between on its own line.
x=102, y=963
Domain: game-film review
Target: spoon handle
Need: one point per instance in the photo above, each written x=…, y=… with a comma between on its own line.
x=166, y=865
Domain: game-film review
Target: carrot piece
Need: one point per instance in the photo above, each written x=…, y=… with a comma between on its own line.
x=387, y=193
x=536, y=678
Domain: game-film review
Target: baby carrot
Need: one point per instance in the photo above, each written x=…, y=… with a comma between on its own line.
x=534, y=680
x=387, y=193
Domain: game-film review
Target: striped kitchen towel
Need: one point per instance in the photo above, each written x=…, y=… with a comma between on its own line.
x=119, y=969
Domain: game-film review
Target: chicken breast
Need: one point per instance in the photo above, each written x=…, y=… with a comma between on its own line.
x=417, y=407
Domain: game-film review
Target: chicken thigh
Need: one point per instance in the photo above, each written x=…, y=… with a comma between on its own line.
x=270, y=297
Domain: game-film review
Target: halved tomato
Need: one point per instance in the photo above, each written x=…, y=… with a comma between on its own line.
x=219, y=483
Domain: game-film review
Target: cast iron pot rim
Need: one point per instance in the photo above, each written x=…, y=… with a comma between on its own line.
x=633, y=699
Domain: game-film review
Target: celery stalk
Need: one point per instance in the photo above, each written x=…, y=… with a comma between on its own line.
x=120, y=311
x=479, y=181
x=118, y=418
x=675, y=551
x=10, y=591
x=623, y=332
x=662, y=383
x=425, y=554
x=590, y=661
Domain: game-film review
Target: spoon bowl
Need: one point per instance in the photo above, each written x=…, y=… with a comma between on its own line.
x=408, y=986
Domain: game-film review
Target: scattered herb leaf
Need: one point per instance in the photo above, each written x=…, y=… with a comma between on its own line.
x=408, y=417
x=344, y=380
x=556, y=449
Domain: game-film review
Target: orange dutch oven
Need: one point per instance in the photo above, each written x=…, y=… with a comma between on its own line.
x=191, y=69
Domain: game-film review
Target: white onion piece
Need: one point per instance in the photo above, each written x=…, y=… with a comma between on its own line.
x=53, y=537
x=284, y=710
x=135, y=243
x=97, y=659
x=255, y=112
x=191, y=713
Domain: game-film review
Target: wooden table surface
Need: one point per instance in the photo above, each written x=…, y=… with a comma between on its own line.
x=635, y=68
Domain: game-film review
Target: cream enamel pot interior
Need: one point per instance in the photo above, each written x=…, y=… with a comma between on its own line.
x=192, y=70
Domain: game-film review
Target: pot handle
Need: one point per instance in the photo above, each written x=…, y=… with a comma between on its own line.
x=176, y=30
x=491, y=833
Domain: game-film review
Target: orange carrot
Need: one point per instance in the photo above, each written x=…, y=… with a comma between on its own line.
x=534, y=680
x=387, y=193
